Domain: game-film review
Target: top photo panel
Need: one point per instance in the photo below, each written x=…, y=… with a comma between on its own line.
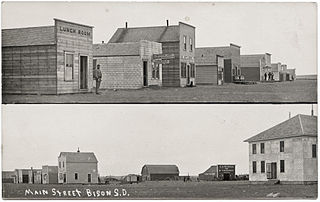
x=147, y=52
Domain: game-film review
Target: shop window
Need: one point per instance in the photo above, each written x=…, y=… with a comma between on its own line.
x=184, y=43
x=314, y=151
x=254, y=148
x=191, y=44
x=155, y=70
x=183, y=70
x=263, y=167
x=69, y=65
x=281, y=166
x=262, y=148
x=281, y=146
x=76, y=176
x=254, y=166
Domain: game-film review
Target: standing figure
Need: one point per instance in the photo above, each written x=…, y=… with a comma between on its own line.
x=97, y=75
x=265, y=76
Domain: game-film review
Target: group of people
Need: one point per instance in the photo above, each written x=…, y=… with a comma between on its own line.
x=268, y=76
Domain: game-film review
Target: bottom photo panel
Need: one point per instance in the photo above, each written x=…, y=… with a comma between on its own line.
x=164, y=152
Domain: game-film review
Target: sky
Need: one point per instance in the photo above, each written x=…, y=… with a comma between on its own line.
x=286, y=30
x=125, y=137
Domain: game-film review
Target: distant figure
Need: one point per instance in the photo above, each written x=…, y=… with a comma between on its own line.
x=265, y=76
x=97, y=75
x=269, y=74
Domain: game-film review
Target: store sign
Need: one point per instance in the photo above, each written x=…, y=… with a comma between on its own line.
x=163, y=56
x=74, y=31
x=158, y=61
x=226, y=168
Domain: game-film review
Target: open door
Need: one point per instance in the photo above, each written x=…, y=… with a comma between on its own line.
x=83, y=72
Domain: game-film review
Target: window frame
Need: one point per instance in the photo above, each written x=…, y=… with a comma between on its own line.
x=76, y=176
x=191, y=44
x=184, y=42
x=254, y=167
x=263, y=167
x=281, y=146
x=66, y=53
x=314, y=150
x=254, y=148
x=262, y=148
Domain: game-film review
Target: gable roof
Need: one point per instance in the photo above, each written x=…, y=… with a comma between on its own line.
x=162, y=169
x=156, y=33
x=79, y=157
x=28, y=36
x=299, y=125
x=212, y=169
x=116, y=49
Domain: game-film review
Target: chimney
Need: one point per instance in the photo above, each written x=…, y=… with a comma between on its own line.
x=312, y=114
x=167, y=23
x=78, y=150
x=126, y=25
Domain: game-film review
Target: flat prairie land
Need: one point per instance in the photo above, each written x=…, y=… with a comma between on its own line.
x=161, y=190
x=301, y=91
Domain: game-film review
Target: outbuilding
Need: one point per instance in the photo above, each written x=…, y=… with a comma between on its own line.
x=8, y=176
x=256, y=67
x=159, y=172
x=129, y=65
x=217, y=65
x=48, y=59
x=178, y=48
x=219, y=172
x=49, y=174
x=286, y=152
x=77, y=168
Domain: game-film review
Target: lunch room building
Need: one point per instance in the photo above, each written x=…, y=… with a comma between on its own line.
x=178, y=48
x=48, y=59
x=129, y=65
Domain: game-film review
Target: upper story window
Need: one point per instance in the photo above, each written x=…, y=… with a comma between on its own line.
x=62, y=164
x=314, y=151
x=281, y=146
x=191, y=44
x=254, y=148
x=262, y=148
x=59, y=164
x=184, y=43
x=69, y=65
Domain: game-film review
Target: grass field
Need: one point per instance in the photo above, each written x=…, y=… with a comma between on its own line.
x=279, y=92
x=160, y=190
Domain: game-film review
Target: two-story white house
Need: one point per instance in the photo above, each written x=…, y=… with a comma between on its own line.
x=286, y=152
x=77, y=167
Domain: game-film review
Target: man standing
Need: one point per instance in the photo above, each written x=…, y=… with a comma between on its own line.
x=97, y=75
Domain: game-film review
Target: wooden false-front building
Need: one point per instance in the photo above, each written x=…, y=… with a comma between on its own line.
x=254, y=67
x=177, y=41
x=47, y=60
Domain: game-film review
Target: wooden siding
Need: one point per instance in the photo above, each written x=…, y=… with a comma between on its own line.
x=79, y=45
x=29, y=69
x=207, y=74
x=251, y=73
x=171, y=71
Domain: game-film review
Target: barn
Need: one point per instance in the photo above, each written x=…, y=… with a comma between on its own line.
x=159, y=172
x=77, y=168
x=286, y=152
x=210, y=67
x=178, y=47
x=217, y=65
x=49, y=174
x=128, y=65
x=48, y=59
x=255, y=66
x=219, y=172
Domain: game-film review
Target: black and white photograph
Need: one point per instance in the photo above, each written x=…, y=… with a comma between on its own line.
x=142, y=100
x=172, y=152
x=147, y=52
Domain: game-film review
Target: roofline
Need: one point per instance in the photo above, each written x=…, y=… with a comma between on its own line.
x=232, y=44
x=46, y=26
x=304, y=135
x=147, y=27
x=101, y=56
x=255, y=54
x=56, y=19
x=187, y=24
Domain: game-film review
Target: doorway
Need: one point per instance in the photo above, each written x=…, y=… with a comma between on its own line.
x=25, y=178
x=145, y=73
x=89, y=178
x=188, y=74
x=272, y=170
x=83, y=72
x=226, y=176
x=64, y=178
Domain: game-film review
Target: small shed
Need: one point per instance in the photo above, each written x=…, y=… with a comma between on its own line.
x=159, y=172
